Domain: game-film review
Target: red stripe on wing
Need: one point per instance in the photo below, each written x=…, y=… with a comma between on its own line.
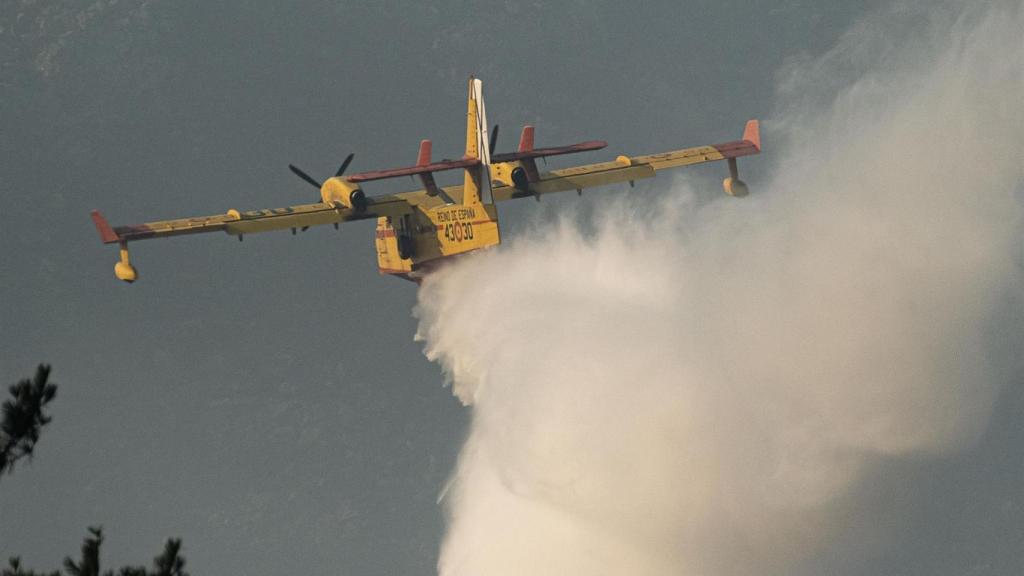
x=413, y=170
x=736, y=148
x=555, y=151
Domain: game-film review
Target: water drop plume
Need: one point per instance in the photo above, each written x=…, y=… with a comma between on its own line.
x=689, y=387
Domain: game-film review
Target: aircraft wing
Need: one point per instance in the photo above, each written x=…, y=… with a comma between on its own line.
x=577, y=178
x=630, y=168
x=238, y=223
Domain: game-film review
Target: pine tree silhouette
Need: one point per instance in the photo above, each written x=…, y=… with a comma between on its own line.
x=171, y=562
x=89, y=565
x=23, y=417
x=14, y=569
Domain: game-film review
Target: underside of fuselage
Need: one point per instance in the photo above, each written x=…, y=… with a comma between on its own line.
x=412, y=245
x=421, y=269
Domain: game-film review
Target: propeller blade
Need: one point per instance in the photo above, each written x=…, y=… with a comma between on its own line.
x=344, y=165
x=494, y=138
x=304, y=176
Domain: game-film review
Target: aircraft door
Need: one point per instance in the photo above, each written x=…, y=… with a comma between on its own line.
x=404, y=236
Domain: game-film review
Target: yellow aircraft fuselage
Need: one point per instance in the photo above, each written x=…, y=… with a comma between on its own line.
x=409, y=245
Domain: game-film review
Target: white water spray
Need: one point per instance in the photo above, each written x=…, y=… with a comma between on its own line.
x=690, y=390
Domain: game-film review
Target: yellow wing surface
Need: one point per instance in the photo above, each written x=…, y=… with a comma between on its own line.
x=626, y=168
x=240, y=223
x=622, y=169
x=341, y=208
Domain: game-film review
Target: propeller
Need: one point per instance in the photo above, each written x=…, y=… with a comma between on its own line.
x=494, y=138
x=298, y=172
x=344, y=165
x=312, y=181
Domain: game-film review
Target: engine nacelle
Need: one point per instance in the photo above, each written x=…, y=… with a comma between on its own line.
x=519, y=178
x=735, y=187
x=347, y=193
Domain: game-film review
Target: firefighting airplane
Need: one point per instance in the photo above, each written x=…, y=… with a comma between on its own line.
x=418, y=230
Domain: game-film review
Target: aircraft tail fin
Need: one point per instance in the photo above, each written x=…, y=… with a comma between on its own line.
x=477, y=145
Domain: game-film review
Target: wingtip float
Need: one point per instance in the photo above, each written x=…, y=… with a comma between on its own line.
x=751, y=138
x=418, y=230
x=123, y=269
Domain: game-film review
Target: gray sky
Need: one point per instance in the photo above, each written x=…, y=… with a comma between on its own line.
x=265, y=401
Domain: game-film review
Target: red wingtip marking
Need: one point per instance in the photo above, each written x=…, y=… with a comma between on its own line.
x=526, y=140
x=752, y=133
x=424, y=157
x=107, y=234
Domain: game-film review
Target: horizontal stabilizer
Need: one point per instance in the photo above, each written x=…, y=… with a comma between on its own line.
x=413, y=170
x=542, y=152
